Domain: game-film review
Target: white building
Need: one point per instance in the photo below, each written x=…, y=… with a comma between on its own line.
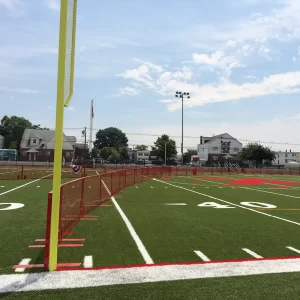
x=284, y=157
x=218, y=148
x=142, y=155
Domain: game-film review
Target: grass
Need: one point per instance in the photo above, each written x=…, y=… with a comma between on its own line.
x=169, y=233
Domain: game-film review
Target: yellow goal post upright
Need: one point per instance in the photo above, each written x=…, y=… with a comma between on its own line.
x=65, y=80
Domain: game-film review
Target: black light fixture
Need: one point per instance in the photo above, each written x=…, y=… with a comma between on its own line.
x=182, y=95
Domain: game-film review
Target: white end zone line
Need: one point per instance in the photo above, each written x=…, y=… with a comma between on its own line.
x=237, y=205
x=20, y=186
x=137, y=240
x=108, y=277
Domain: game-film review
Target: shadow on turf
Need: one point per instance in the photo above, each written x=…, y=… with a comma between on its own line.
x=38, y=260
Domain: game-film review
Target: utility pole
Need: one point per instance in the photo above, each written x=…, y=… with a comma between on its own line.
x=84, y=137
x=182, y=95
x=166, y=153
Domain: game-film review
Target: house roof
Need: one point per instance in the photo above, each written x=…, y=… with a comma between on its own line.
x=225, y=136
x=46, y=139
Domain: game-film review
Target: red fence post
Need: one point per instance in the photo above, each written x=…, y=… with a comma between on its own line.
x=125, y=178
x=60, y=225
x=47, y=237
x=82, y=198
x=22, y=172
x=100, y=188
x=111, y=184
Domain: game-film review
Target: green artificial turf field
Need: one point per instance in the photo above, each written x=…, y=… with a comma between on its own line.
x=181, y=219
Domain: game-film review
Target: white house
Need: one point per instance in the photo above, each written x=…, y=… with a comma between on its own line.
x=218, y=148
x=284, y=157
x=142, y=155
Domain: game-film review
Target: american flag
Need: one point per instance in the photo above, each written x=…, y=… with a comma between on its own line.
x=76, y=169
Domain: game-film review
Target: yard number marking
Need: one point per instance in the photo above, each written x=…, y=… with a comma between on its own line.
x=258, y=204
x=214, y=205
x=11, y=206
x=250, y=204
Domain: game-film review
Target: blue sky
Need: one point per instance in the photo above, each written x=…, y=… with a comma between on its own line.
x=238, y=59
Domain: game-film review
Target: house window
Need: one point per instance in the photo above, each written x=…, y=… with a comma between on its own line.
x=34, y=141
x=67, y=154
x=48, y=153
x=214, y=148
x=215, y=157
x=236, y=149
x=24, y=153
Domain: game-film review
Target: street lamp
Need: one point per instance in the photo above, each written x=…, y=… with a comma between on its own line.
x=182, y=95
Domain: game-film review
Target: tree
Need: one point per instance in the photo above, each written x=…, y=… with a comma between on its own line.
x=141, y=147
x=105, y=152
x=111, y=137
x=160, y=144
x=115, y=155
x=95, y=153
x=124, y=153
x=12, y=128
x=188, y=154
x=256, y=152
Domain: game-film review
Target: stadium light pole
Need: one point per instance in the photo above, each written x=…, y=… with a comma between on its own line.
x=182, y=95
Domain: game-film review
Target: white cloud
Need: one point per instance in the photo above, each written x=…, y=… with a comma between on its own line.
x=203, y=94
x=140, y=74
x=127, y=91
x=15, y=7
x=217, y=60
x=53, y=4
x=18, y=90
x=230, y=44
x=264, y=52
x=250, y=77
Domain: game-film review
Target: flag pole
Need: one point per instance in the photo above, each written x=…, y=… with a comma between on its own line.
x=91, y=126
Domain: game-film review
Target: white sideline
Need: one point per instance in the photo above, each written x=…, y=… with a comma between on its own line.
x=237, y=205
x=106, y=277
x=18, y=187
x=136, y=238
x=201, y=255
x=255, y=255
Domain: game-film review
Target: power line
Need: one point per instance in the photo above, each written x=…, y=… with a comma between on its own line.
x=197, y=137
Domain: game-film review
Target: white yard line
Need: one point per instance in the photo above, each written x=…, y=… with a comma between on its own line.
x=23, y=262
x=20, y=186
x=88, y=261
x=201, y=255
x=252, y=253
x=293, y=249
x=175, y=204
x=133, y=233
x=108, y=277
x=237, y=205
